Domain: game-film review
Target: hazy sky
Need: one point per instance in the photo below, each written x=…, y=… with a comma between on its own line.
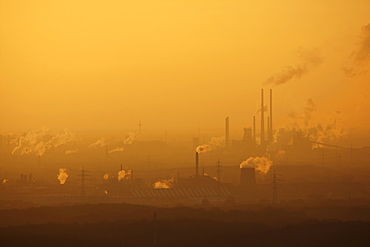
x=103, y=65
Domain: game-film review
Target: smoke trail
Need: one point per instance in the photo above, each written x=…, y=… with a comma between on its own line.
x=215, y=142
x=203, y=148
x=261, y=164
x=72, y=151
x=39, y=141
x=116, y=150
x=130, y=139
x=60, y=138
x=62, y=176
x=265, y=109
x=164, y=184
x=99, y=143
x=309, y=60
x=301, y=124
x=361, y=56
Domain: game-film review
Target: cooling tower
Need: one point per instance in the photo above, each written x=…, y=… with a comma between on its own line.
x=247, y=177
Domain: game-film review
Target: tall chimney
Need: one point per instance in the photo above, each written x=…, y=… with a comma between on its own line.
x=254, y=129
x=271, y=130
x=196, y=164
x=262, y=120
x=268, y=128
x=227, y=131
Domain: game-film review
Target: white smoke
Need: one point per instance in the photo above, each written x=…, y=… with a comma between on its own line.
x=130, y=138
x=302, y=124
x=261, y=164
x=72, y=151
x=62, y=176
x=39, y=141
x=164, y=184
x=215, y=142
x=265, y=109
x=309, y=60
x=122, y=174
x=116, y=150
x=99, y=143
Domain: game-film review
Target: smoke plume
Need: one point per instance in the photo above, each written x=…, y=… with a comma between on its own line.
x=116, y=150
x=215, y=142
x=62, y=176
x=39, y=141
x=301, y=125
x=309, y=60
x=99, y=143
x=265, y=109
x=261, y=164
x=164, y=184
x=130, y=138
x=72, y=151
x=359, y=59
x=122, y=174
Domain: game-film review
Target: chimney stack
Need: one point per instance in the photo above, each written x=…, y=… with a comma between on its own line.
x=254, y=129
x=227, y=131
x=262, y=120
x=271, y=130
x=196, y=164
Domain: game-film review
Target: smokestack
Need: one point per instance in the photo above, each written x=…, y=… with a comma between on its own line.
x=268, y=128
x=271, y=130
x=247, y=177
x=196, y=164
x=227, y=131
x=254, y=129
x=262, y=120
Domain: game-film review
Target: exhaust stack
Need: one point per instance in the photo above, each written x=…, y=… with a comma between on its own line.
x=227, y=131
x=262, y=120
x=196, y=164
x=270, y=125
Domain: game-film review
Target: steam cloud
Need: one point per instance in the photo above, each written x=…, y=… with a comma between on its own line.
x=130, y=139
x=39, y=141
x=99, y=143
x=259, y=109
x=122, y=174
x=71, y=151
x=360, y=57
x=62, y=176
x=164, y=184
x=116, y=150
x=215, y=142
x=261, y=164
x=301, y=124
x=309, y=60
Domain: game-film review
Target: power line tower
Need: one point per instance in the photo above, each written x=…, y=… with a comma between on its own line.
x=218, y=170
x=83, y=179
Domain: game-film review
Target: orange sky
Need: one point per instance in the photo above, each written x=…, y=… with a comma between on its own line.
x=103, y=65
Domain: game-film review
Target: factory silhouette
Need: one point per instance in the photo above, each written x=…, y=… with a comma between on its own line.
x=255, y=169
